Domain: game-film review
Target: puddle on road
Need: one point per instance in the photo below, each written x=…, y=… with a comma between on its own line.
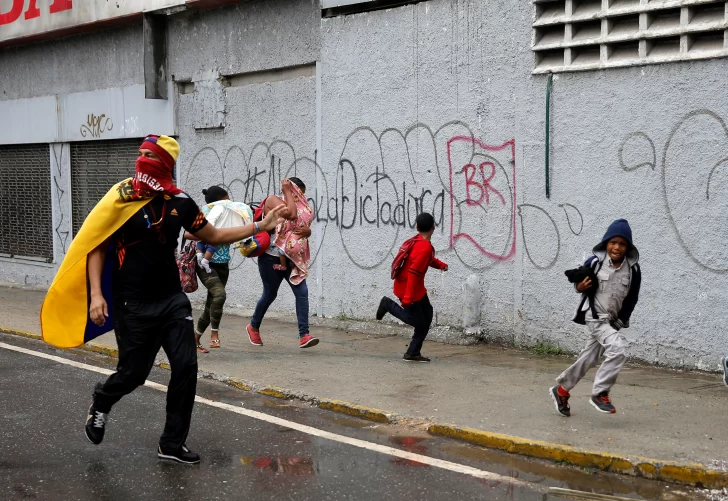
x=351, y=422
x=585, y=480
x=295, y=466
x=409, y=444
x=573, y=477
x=276, y=404
x=410, y=438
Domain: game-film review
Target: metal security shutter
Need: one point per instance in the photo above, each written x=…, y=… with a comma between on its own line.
x=25, y=201
x=95, y=167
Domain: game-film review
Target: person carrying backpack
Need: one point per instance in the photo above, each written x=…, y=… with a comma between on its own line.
x=408, y=271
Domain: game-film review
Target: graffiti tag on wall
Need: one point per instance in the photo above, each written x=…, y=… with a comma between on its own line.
x=96, y=125
x=383, y=180
x=693, y=179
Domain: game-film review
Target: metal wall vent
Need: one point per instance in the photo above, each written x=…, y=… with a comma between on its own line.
x=573, y=35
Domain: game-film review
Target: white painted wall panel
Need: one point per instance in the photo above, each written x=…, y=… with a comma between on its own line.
x=25, y=121
x=85, y=116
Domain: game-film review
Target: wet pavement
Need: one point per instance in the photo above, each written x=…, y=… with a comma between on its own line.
x=486, y=387
x=45, y=455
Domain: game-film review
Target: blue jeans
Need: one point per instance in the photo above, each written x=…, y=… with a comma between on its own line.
x=271, y=283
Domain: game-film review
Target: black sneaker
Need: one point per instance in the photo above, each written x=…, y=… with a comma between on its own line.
x=182, y=455
x=95, y=425
x=561, y=402
x=603, y=403
x=382, y=310
x=724, y=363
x=416, y=358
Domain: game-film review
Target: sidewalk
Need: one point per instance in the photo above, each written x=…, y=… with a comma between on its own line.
x=662, y=414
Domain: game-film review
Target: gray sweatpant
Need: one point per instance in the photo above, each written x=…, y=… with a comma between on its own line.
x=605, y=340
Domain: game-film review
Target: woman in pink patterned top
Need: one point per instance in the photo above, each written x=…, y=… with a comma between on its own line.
x=291, y=241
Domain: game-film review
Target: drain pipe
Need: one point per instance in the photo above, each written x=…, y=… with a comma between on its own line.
x=549, y=83
x=319, y=189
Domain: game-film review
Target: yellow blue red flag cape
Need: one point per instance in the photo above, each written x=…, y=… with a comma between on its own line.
x=64, y=316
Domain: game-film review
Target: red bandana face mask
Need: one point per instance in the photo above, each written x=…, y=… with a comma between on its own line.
x=153, y=177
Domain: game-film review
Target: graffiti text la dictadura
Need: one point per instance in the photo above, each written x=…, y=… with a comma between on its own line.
x=384, y=180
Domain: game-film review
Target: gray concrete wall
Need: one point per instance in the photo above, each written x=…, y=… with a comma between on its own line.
x=271, y=128
x=420, y=79
x=433, y=106
x=98, y=60
x=641, y=143
x=625, y=143
x=270, y=125
x=251, y=36
x=94, y=61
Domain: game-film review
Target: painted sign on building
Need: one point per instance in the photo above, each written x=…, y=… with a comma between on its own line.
x=21, y=19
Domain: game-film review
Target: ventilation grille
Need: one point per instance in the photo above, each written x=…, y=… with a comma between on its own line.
x=95, y=167
x=25, y=202
x=572, y=35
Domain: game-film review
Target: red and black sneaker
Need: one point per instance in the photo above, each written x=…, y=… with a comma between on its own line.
x=560, y=400
x=603, y=403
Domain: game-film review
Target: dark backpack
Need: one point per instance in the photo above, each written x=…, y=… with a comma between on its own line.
x=402, y=254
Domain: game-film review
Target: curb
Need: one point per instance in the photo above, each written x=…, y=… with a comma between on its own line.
x=338, y=406
x=92, y=347
x=692, y=474
x=359, y=411
x=16, y=332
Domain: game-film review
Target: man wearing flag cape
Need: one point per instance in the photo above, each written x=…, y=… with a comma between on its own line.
x=120, y=273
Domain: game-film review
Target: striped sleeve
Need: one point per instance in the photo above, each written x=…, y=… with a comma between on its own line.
x=193, y=220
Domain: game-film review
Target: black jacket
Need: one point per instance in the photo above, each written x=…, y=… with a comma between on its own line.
x=635, y=281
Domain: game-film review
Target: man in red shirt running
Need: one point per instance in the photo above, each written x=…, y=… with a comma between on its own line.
x=409, y=287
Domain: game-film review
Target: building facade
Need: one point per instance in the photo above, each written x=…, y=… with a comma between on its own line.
x=524, y=127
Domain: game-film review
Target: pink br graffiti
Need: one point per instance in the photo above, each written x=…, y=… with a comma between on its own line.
x=485, y=188
x=478, y=188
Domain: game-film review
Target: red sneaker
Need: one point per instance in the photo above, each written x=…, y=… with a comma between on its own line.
x=307, y=341
x=254, y=336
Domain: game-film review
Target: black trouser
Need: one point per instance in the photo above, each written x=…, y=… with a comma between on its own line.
x=419, y=316
x=141, y=328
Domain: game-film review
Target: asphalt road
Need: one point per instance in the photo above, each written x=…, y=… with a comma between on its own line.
x=45, y=455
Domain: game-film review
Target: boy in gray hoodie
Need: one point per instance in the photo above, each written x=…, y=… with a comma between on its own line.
x=616, y=265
